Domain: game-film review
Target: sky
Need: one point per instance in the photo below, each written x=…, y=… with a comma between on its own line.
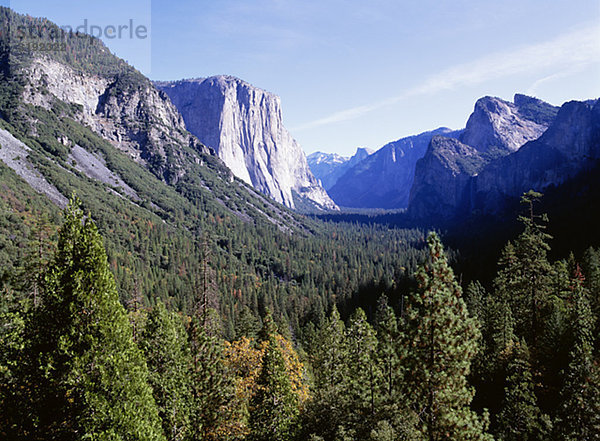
x=358, y=73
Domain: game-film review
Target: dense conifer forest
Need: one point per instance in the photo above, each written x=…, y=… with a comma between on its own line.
x=420, y=357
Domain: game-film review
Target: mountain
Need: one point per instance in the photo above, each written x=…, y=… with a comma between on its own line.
x=384, y=179
x=503, y=126
x=244, y=126
x=570, y=146
x=453, y=181
x=82, y=120
x=444, y=177
x=329, y=167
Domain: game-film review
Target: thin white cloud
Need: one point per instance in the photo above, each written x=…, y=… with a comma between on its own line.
x=580, y=48
x=576, y=68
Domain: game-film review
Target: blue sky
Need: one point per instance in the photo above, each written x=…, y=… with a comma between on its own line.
x=361, y=73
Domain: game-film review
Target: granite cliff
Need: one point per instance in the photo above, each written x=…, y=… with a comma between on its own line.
x=445, y=178
x=244, y=125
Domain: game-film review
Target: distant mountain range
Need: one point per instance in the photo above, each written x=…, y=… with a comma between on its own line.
x=329, y=167
x=201, y=134
x=505, y=149
x=383, y=180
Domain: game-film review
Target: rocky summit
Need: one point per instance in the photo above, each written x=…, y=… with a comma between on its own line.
x=244, y=125
x=505, y=150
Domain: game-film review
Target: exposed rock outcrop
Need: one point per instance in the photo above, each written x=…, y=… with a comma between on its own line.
x=14, y=154
x=569, y=146
x=496, y=129
x=125, y=109
x=502, y=126
x=444, y=178
x=244, y=126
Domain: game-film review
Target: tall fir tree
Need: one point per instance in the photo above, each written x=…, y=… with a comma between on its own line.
x=274, y=406
x=165, y=346
x=212, y=382
x=363, y=374
x=328, y=407
x=440, y=342
x=520, y=418
x=591, y=269
x=14, y=391
x=394, y=420
x=91, y=379
x=579, y=413
x=386, y=326
x=524, y=280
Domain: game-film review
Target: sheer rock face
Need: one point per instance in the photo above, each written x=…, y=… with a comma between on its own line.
x=499, y=124
x=244, y=125
x=446, y=179
x=569, y=146
x=384, y=179
x=443, y=178
x=126, y=110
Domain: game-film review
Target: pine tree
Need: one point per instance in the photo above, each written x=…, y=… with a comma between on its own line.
x=579, y=415
x=475, y=299
x=439, y=344
x=212, y=383
x=328, y=409
x=387, y=352
x=525, y=277
x=165, y=346
x=274, y=407
x=520, y=418
x=591, y=269
x=246, y=325
x=363, y=373
x=90, y=376
x=489, y=366
x=38, y=254
x=394, y=420
x=14, y=391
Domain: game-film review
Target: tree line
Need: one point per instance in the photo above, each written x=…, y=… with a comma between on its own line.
x=515, y=361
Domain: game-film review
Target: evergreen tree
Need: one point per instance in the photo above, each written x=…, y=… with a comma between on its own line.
x=591, y=269
x=525, y=277
x=212, y=384
x=475, y=299
x=14, y=392
x=274, y=406
x=363, y=374
x=394, y=419
x=579, y=415
x=387, y=352
x=520, y=418
x=489, y=366
x=164, y=343
x=90, y=377
x=327, y=411
x=246, y=325
x=440, y=342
